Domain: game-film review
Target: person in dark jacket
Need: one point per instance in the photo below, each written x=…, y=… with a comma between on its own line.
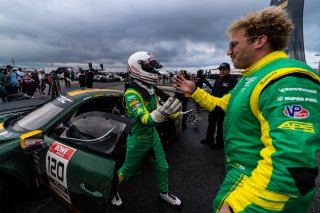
x=200, y=80
x=222, y=86
x=184, y=98
x=82, y=79
x=66, y=75
x=89, y=79
x=27, y=84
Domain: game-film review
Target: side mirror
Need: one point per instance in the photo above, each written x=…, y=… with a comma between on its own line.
x=31, y=139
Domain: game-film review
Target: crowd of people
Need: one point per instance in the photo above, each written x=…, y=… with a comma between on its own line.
x=37, y=83
x=18, y=81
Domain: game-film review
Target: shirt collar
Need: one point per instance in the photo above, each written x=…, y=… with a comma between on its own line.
x=265, y=60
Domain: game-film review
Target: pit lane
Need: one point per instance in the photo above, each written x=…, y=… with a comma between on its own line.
x=195, y=174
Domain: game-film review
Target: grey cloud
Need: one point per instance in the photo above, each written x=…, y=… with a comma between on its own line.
x=179, y=33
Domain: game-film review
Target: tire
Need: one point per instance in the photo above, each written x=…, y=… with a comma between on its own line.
x=167, y=133
x=6, y=192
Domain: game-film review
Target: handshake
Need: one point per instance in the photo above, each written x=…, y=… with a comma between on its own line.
x=170, y=107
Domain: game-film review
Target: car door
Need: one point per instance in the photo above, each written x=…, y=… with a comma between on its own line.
x=78, y=159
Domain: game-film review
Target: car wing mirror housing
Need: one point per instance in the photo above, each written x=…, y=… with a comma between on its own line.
x=30, y=140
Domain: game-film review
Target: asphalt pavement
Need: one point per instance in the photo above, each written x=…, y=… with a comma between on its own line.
x=196, y=171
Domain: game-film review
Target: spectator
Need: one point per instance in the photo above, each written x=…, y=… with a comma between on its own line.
x=11, y=80
x=163, y=79
x=221, y=86
x=27, y=84
x=89, y=79
x=200, y=80
x=72, y=75
x=66, y=75
x=49, y=80
x=82, y=79
x=184, y=99
x=20, y=73
x=3, y=92
x=35, y=77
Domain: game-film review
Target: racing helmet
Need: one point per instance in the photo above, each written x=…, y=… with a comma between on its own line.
x=144, y=67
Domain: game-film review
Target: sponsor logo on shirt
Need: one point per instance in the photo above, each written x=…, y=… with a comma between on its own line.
x=282, y=98
x=297, y=126
x=296, y=111
x=136, y=106
x=133, y=102
x=248, y=82
x=268, y=77
x=297, y=90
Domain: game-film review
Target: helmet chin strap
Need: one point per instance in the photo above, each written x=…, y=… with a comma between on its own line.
x=148, y=87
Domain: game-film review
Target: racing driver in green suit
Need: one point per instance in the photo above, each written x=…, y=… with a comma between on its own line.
x=142, y=106
x=271, y=126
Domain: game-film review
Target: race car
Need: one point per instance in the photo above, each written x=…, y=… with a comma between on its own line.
x=71, y=145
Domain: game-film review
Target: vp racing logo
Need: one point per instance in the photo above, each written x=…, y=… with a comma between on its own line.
x=296, y=111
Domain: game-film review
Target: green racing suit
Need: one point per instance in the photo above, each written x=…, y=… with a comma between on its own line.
x=143, y=138
x=271, y=133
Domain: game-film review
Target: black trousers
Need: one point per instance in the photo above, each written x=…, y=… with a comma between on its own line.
x=11, y=89
x=215, y=120
x=184, y=101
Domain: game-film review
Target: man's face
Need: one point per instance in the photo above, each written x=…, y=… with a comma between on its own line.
x=224, y=72
x=241, y=51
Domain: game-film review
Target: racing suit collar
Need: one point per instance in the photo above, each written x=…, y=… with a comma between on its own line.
x=145, y=86
x=265, y=60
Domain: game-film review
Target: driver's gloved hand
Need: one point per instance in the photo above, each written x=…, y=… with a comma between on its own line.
x=171, y=106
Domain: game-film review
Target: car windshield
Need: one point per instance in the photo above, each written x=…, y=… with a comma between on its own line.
x=42, y=115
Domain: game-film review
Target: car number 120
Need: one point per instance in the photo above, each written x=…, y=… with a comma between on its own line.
x=57, y=159
x=55, y=168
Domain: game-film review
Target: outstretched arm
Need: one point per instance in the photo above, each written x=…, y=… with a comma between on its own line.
x=200, y=96
x=184, y=84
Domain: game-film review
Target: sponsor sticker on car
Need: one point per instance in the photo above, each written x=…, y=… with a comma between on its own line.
x=57, y=160
x=5, y=134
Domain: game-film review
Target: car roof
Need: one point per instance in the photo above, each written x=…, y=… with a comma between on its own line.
x=80, y=94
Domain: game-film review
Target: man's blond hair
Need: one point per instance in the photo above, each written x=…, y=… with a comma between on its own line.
x=273, y=22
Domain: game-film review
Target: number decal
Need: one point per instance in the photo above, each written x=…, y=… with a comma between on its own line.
x=53, y=167
x=56, y=169
x=58, y=157
x=60, y=171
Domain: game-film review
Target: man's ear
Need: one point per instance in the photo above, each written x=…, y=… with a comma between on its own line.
x=261, y=41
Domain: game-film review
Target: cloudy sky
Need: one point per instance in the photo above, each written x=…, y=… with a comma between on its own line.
x=180, y=33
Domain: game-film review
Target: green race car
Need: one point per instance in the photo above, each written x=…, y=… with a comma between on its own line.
x=72, y=145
